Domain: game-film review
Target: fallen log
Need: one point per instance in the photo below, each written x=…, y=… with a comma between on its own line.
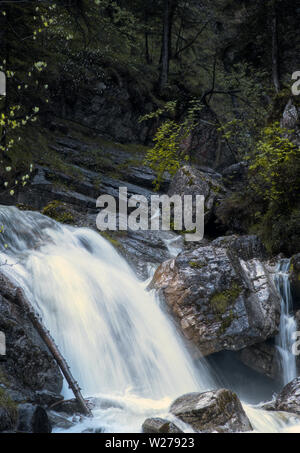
x=21, y=300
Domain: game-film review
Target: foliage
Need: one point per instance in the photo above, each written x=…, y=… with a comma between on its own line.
x=169, y=150
x=17, y=110
x=275, y=166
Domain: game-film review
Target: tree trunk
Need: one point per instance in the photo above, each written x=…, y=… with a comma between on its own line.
x=275, y=50
x=45, y=335
x=169, y=8
x=147, y=52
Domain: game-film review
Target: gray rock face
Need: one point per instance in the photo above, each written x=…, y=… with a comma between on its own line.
x=245, y=247
x=109, y=107
x=235, y=175
x=220, y=300
x=159, y=425
x=59, y=420
x=289, y=398
x=190, y=181
x=295, y=279
x=33, y=419
x=219, y=411
x=290, y=116
x=263, y=358
x=29, y=366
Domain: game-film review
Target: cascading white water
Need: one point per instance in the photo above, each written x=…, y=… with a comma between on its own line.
x=113, y=333
x=288, y=323
x=119, y=343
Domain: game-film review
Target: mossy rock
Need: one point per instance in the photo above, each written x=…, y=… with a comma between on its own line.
x=8, y=412
x=221, y=301
x=112, y=237
x=59, y=212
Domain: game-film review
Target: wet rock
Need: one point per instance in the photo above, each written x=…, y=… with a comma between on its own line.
x=269, y=406
x=142, y=248
x=159, y=425
x=69, y=407
x=215, y=411
x=30, y=366
x=104, y=403
x=295, y=279
x=263, y=358
x=33, y=419
x=288, y=399
x=59, y=420
x=220, y=301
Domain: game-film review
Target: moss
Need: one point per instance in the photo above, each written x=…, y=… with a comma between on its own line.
x=9, y=406
x=196, y=265
x=24, y=207
x=222, y=300
x=58, y=211
x=112, y=237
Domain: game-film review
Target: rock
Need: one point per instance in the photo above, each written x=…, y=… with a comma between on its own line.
x=235, y=175
x=206, y=146
x=268, y=406
x=104, y=403
x=159, y=425
x=246, y=247
x=290, y=116
x=59, y=420
x=288, y=399
x=220, y=301
x=33, y=419
x=46, y=398
x=69, y=407
x=263, y=358
x=295, y=279
x=111, y=107
x=142, y=248
x=8, y=412
x=190, y=181
x=219, y=410
x=30, y=366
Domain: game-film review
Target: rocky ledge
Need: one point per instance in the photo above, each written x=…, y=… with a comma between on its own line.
x=221, y=294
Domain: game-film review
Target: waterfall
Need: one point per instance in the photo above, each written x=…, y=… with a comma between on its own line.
x=120, y=344
x=288, y=323
x=115, y=336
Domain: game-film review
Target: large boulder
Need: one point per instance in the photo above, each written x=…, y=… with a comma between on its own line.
x=190, y=181
x=160, y=425
x=289, y=398
x=215, y=411
x=263, y=358
x=33, y=419
x=221, y=295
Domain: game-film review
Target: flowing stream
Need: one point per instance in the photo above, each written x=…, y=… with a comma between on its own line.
x=120, y=344
x=288, y=324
